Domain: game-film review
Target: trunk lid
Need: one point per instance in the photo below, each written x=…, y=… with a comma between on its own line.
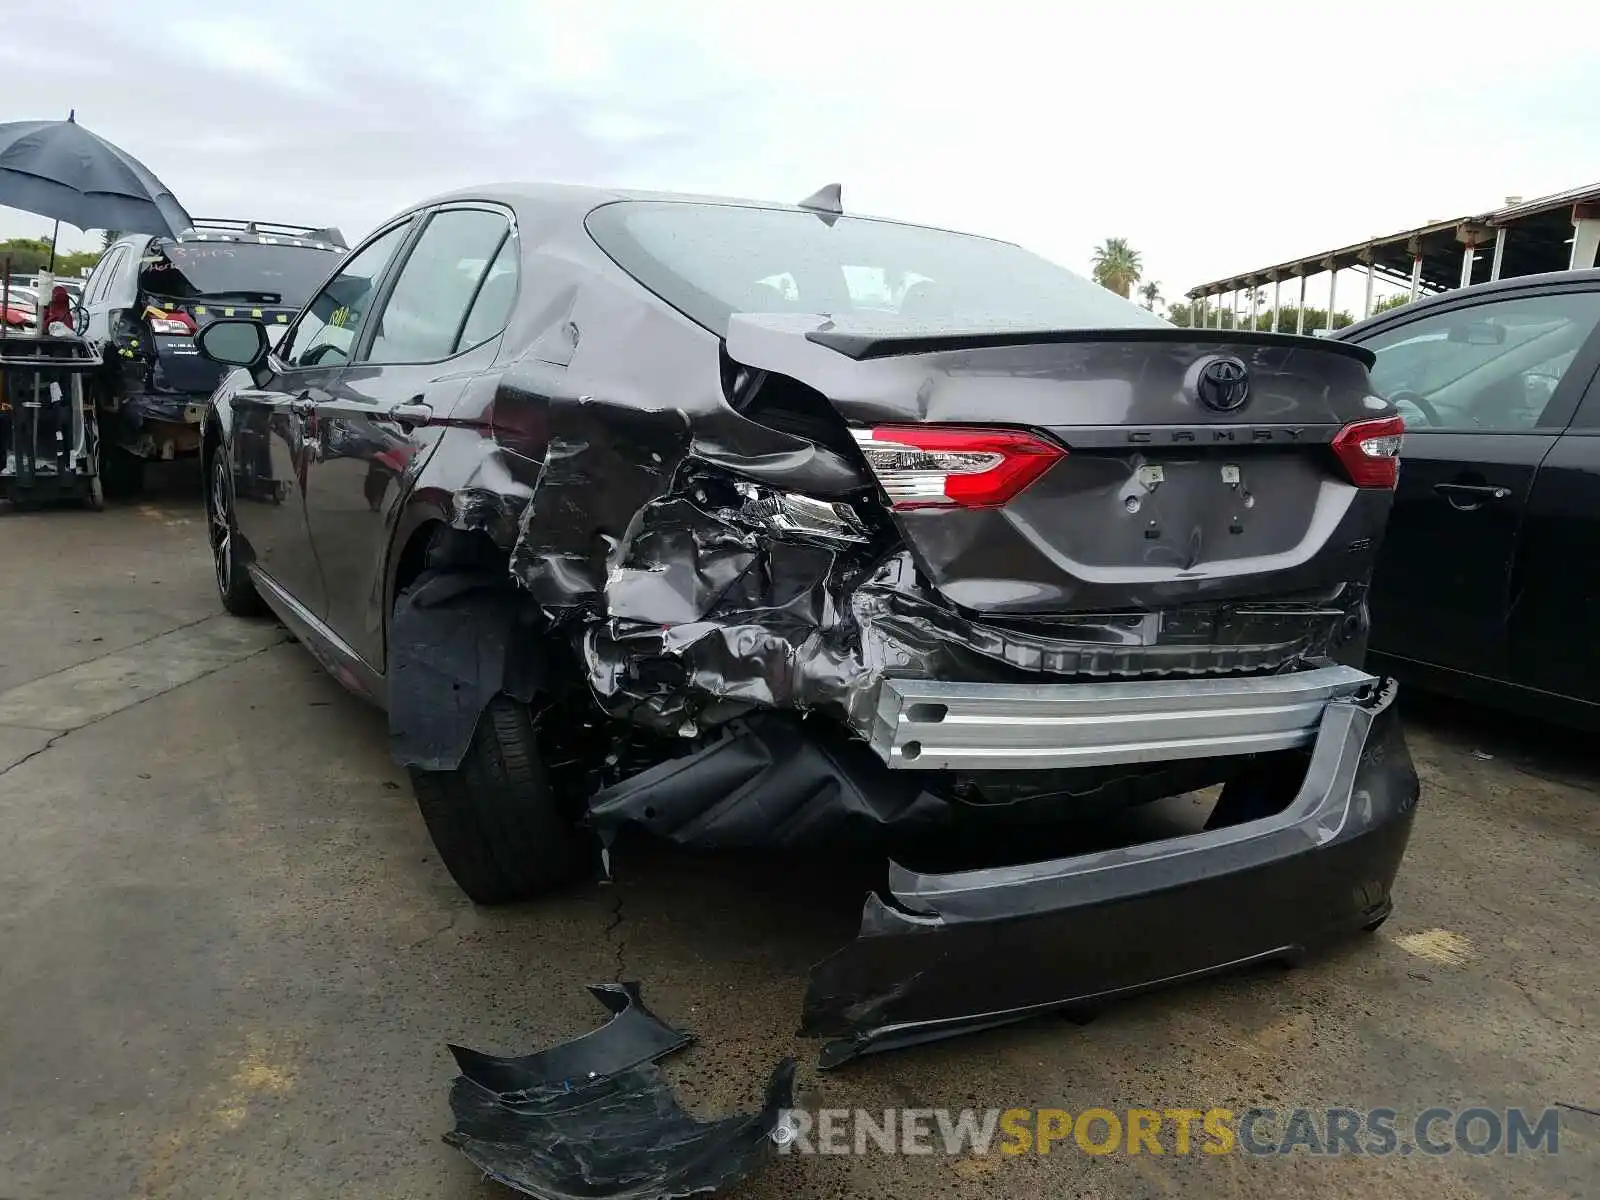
x=1184, y=465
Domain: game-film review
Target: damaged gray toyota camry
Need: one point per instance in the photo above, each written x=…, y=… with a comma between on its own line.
x=768, y=526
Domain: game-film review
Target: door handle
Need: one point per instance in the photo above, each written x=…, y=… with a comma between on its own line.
x=412, y=414
x=1472, y=491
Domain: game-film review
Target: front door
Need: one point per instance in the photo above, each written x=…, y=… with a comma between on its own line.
x=1485, y=389
x=276, y=436
x=269, y=458
x=438, y=324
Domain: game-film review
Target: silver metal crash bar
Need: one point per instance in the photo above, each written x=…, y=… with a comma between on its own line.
x=922, y=725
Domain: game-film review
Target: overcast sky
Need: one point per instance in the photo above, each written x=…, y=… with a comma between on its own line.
x=1216, y=137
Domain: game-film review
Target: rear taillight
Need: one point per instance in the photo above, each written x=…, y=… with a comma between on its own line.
x=170, y=322
x=934, y=466
x=1369, y=451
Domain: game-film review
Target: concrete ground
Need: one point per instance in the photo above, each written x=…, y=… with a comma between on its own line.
x=230, y=960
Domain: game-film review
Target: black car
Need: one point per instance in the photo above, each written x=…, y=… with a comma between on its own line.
x=765, y=526
x=1490, y=570
x=145, y=301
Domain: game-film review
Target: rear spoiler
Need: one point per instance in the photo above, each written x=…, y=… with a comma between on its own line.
x=862, y=345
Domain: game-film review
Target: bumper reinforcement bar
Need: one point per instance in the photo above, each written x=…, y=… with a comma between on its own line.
x=922, y=725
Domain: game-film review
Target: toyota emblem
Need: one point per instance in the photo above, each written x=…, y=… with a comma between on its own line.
x=1224, y=384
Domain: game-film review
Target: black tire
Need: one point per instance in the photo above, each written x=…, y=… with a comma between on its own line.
x=121, y=470
x=234, y=585
x=495, y=820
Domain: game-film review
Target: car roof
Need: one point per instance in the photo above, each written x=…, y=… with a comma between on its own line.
x=576, y=201
x=1517, y=283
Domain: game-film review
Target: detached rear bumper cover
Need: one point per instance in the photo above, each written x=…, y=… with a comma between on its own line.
x=955, y=952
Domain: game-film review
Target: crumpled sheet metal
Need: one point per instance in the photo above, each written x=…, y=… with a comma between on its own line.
x=594, y=1118
x=707, y=618
x=686, y=612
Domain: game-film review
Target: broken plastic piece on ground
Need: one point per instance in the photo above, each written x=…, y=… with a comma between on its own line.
x=634, y=1035
x=595, y=1118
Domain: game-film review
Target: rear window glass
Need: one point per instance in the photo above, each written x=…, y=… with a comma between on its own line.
x=266, y=273
x=713, y=260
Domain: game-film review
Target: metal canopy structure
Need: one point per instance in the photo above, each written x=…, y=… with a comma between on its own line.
x=1553, y=233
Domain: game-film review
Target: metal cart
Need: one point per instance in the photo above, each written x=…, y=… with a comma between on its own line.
x=48, y=431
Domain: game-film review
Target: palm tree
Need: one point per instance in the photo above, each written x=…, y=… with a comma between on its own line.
x=1152, y=294
x=1116, y=265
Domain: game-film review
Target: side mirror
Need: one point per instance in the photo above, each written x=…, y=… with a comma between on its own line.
x=233, y=342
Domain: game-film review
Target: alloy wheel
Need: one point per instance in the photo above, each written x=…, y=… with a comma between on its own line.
x=221, y=526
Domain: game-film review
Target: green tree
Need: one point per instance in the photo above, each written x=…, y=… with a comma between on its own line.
x=1288, y=315
x=108, y=236
x=1181, y=313
x=1152, y=294
x=1399, y=300
x=27, y=254
x=1117, y=266
x=31, y=255
x=73, y=264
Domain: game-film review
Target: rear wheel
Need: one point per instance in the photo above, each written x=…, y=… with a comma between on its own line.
x=495, y=819
x=234, y=585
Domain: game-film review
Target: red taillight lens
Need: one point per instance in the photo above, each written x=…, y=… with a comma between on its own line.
x=1369, y=451
x=941, y=466
x=170, y=322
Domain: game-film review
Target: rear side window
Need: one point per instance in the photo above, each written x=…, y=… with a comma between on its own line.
x=492, y=308
x=713, y=260
x=439, y=283
x=103, y=273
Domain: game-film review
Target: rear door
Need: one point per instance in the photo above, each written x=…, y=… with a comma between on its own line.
x=275, y=435
x=1486, y=386
x=437, y=324
x=97, y=323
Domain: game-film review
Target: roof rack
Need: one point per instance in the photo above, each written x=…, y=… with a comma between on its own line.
x=225, y=225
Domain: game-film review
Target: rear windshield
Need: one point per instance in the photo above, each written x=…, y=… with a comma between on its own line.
x=713, y=260
x=265, y=273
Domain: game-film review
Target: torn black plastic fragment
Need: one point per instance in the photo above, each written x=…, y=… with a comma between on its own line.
x=770, y=782
x=458, y=639
x=594, y=1118
x=633, y=1036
